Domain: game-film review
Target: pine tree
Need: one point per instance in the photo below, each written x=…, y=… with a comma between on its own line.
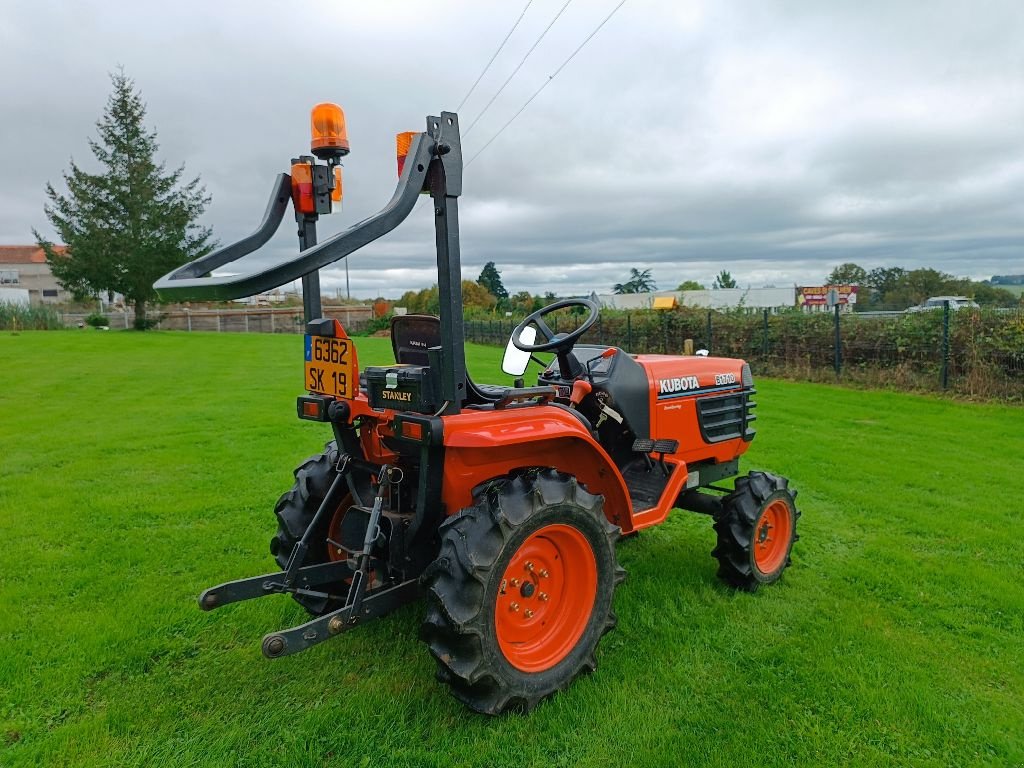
x=724, y=280
x=490, y=278
x=639, y=282
x=131, y=223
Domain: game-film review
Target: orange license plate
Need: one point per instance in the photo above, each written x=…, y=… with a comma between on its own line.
x=329, y=369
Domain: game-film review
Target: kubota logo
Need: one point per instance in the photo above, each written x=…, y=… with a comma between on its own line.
x=680, y=384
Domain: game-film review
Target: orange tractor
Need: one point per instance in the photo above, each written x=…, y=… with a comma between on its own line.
x=500, y=505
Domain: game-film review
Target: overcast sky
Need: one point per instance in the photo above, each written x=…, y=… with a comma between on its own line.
x=773, y=139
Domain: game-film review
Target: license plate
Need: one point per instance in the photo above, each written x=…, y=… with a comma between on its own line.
x=329, y=369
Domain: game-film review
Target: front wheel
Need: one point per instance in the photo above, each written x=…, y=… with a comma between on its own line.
x=521, y=591
x=756, y=531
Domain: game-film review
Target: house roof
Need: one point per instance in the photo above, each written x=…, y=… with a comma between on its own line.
x=25, y=254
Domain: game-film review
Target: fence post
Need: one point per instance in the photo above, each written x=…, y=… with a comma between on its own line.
x=629, y=333
x=764, y=338
x=246, y=313
x=838, y=345
x=709, y=332
x=271, y=319
x=218, y=321
x=945, y=344
x=126, y=318
x=600, y=331
x=188, y=318
x=664, y=333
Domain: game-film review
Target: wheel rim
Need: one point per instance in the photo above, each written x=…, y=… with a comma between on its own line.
x=772, y=533
x=334, y=552
x=545, y=598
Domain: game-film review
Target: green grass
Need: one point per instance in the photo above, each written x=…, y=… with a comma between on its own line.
x=139, y=469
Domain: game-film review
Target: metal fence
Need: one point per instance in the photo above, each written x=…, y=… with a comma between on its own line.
x=248, y=320
x=978, y=353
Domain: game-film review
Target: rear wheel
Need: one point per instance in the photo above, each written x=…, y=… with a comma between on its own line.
x=756, y=531
x=295, y=510
x=521, y=591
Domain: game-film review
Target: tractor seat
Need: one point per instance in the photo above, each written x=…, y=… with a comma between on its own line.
x=413, y=335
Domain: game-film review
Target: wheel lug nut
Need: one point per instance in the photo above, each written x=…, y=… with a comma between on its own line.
x=544, y=574
x=514, y=582
x=528, y=613
x=514, y=606
x=543, y=597
x=529, y=565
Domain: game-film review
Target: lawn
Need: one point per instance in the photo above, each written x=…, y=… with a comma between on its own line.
x=140, y=468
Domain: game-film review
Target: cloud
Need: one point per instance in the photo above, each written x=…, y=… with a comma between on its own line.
x=775, y=139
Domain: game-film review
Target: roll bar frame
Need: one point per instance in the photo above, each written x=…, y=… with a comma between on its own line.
x=193, y=281
x=434, y=164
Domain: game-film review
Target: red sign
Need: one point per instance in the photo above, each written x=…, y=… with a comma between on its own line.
x=817, y=296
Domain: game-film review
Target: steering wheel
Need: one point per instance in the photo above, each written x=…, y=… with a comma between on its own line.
x=568, y=366
x=555, y=341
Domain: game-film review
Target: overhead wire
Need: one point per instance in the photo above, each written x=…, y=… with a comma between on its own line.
x=546, y=82
x=518, y=67
x=488, y=65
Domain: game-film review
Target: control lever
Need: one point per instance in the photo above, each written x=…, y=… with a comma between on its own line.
x=580, y=389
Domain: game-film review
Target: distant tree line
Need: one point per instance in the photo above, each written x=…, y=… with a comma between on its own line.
x=898, y=288
x=881, y=288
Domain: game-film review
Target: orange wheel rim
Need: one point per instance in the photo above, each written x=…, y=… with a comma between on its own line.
x=545, y=598
x=772, y=533
x=334, y=550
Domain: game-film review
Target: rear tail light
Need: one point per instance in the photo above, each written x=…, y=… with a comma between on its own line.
x=302, y=188
x=403, y=141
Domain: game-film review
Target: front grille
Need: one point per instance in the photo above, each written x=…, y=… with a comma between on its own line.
x=726, y=417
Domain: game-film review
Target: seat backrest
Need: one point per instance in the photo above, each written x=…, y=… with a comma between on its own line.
x=412, y=336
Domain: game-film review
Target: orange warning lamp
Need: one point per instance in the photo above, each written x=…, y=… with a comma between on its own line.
x=336, y=193
x=327, y=124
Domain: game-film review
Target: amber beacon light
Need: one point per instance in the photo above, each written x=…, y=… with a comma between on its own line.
x=327, y=124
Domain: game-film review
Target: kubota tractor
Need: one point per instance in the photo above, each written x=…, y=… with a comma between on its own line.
x=500, y=505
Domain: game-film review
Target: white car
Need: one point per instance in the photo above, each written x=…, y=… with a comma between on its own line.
x=937, y=302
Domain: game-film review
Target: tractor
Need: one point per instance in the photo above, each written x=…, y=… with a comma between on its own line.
x=499, y=506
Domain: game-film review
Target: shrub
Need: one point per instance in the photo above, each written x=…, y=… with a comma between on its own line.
x=97, y=320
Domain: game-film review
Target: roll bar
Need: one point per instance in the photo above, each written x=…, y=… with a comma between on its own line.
x=192, y=281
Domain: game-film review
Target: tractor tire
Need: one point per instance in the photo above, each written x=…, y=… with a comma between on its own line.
x=521, y=591
x=295, y=510
x=756, y=531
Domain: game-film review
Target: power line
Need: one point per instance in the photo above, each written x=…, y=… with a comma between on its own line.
x=546, y=82
x=520, y=65
x=475, y=84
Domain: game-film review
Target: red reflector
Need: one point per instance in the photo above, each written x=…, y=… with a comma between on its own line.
x=412, y=430
x=311, y=408
x=302, y=188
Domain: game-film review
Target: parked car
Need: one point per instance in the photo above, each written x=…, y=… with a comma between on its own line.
x=937, y=302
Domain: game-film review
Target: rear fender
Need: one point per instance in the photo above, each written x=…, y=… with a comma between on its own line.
x=483, y=445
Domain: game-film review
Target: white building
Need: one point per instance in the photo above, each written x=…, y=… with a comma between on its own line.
x=25, y=267
x=720, y=298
